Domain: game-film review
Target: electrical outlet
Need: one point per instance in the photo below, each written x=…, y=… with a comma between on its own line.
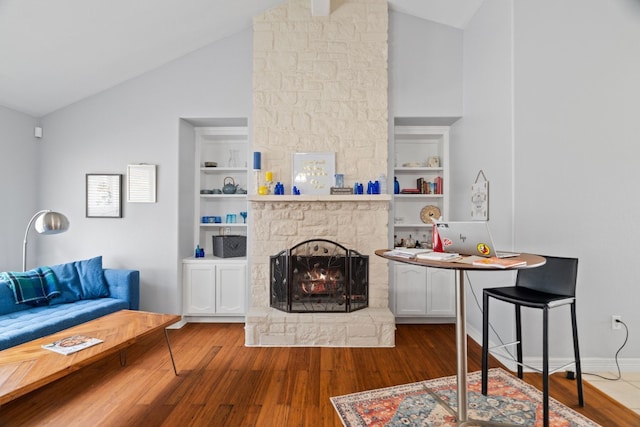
x=614, y=321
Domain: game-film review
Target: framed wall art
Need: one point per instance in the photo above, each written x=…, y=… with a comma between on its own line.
x=104, y=195
x=313, y=173
x=141, y=183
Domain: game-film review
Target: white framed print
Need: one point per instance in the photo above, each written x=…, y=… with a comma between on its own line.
x=313, y=173
x=141, y=183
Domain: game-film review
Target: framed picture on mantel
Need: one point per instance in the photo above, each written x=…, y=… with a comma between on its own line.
x=314, y=173
x=104, y=195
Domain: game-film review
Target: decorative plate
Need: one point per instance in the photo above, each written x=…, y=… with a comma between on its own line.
x=428, y=213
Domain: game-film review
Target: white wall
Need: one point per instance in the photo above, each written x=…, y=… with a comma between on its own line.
x=425, y=68
x=136, y=122
x=550, y=100
x=577, y=64
x=19, y=172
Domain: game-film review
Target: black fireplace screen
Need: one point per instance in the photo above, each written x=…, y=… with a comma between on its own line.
x=319, y=276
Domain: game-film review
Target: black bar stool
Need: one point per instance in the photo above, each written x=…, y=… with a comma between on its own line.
x=548, y=286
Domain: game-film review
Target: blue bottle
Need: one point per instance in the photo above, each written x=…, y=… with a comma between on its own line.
x=199, y=253
x=396, y=185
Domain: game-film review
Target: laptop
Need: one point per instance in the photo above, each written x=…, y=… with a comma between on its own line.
x=469, y=238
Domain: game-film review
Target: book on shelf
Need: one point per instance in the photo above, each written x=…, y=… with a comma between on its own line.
x=438, y=185
x=426, y=187
x=72, y=344
x=499, y=262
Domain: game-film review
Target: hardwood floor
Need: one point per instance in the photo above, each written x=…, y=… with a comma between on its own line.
x=223, y=383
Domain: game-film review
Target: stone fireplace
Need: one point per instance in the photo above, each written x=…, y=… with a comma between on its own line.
x=284, y=221
x=320, y=85
x=319, y=276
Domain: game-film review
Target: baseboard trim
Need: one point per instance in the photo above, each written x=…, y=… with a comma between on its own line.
x=589, y=364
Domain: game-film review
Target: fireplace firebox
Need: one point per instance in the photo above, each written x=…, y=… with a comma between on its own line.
x=319, y=276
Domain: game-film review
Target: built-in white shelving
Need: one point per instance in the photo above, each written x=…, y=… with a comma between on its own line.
x=420, y=154
x=215, y=288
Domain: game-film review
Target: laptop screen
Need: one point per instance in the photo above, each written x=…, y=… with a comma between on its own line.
x=466, y=238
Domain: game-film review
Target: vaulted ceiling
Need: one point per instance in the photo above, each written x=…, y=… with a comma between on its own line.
x=55, y=53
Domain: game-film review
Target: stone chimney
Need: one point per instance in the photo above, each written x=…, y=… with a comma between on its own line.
x=320, y=85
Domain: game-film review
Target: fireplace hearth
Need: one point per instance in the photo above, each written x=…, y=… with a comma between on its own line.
x=319, y=276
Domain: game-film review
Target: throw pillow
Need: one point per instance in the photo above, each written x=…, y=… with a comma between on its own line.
x=68, y=283
x=80, y=280
x=92, y=278
x=34, y=287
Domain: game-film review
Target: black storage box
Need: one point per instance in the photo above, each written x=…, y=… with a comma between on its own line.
x=229, y=246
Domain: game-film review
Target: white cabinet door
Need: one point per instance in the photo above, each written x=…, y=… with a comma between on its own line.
x=199, y=288
x=420, y=291
x=441, y=292
x=410, y=287
x=214, y=288
x=230, y=289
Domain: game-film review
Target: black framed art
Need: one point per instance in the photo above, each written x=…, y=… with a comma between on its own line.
x=104, y=195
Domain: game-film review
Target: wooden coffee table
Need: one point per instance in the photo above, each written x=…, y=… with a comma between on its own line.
x=28, y=366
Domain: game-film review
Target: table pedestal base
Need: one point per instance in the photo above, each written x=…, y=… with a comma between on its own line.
x=461, y=354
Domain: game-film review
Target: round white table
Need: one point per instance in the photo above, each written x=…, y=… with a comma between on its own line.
x=531, y=260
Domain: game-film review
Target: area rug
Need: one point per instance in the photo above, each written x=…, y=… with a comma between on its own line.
x=509, y=401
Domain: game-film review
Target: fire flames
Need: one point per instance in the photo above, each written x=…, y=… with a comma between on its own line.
x=321, y=281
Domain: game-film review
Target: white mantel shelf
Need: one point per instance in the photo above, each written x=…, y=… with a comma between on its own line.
x=322, y=198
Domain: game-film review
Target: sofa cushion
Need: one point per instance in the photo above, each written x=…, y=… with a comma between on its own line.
x=35, y=322
x=34, y=287
x=80, y=280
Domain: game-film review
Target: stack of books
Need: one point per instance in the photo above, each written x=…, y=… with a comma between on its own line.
x=439, y=256
x=407, y=252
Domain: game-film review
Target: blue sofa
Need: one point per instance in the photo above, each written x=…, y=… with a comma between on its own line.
x=74, y=293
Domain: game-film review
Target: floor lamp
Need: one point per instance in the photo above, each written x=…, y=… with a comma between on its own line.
x=47, y=222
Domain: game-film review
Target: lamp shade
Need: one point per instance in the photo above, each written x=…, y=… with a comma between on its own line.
x=46, y=222
x=51, y=223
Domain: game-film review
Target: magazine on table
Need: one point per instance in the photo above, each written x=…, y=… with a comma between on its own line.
x=72, y=344
x=499, y=262
x=407, y=252
x=439, y=256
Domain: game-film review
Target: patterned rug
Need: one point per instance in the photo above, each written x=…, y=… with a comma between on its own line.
x=509, y=401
